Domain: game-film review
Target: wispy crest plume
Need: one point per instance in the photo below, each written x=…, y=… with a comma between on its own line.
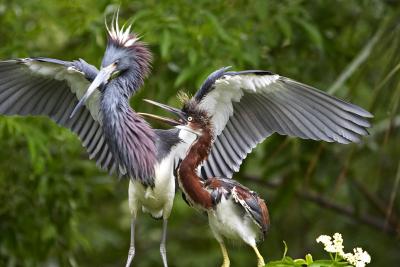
x=121, y=35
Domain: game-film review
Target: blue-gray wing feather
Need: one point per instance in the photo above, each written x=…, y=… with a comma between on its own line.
x=248, y=106
x=52, y=88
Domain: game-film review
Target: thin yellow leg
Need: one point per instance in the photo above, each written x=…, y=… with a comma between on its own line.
x=260, y=259
x=226, y=262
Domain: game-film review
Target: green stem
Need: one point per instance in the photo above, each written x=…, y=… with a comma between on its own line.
x=330, y=254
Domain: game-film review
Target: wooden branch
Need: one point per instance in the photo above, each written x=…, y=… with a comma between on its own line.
x=390, y=217
x=369, y=220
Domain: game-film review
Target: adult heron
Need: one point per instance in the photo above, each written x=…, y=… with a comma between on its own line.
x=95, y=105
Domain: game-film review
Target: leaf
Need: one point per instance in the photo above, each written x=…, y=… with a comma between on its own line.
x=218, y=27
x=49, y=232
x=312, y=31
x=192, y=56
x=329, y=263
x=309, y=259
x=184, y=76
x=285, y=27
x=165, y=44
x=279, y=264
x=300, y=262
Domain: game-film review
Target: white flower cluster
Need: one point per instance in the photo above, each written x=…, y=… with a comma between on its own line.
x=335, y=245
x=359, y=259
x=332, y=246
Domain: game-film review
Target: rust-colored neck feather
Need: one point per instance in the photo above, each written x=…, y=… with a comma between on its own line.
x=188, y=178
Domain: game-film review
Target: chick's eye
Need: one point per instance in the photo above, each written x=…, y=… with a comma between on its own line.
x=189, y=118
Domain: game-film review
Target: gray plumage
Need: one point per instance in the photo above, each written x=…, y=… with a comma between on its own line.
x=165, y=140
x=129, y=137
x=113, y=134
x=263, y=103
x=94, y=104
x=53, y=92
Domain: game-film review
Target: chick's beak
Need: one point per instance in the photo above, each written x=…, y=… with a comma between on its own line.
x=181, y=124
x=177, y=112
x=166, y=120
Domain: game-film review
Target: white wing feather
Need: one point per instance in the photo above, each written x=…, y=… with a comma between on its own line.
x=246, y=107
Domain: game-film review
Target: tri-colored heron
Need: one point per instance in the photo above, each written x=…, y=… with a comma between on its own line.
x=113, y=134
x=229, y=115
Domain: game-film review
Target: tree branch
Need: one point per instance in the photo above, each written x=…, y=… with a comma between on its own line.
x=321, y=201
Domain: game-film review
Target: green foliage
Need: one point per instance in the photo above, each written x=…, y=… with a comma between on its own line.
x=57, y=209
x=286, y=261
x=289, y=262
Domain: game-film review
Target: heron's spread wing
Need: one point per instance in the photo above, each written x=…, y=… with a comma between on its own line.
x=246, y=107
x=51, y=87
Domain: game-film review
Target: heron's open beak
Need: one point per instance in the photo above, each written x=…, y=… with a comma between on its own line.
x=180, y=124
x=188, y=129
x=177, y=124
x=166, y=120
x=177, y=112
x=102, y=78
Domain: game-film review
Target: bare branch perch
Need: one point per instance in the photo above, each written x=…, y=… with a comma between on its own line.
x=349, y=212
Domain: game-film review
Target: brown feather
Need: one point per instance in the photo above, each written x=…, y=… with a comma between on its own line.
x=187, y=174
x=265, y=215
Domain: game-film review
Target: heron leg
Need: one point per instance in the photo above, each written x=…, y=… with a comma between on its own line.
x=133, y=207
x=163, y=250
x=260, y=259
x=226, y=262
x=131, y=252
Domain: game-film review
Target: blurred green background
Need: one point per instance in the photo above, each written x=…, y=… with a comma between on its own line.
x=58, y=209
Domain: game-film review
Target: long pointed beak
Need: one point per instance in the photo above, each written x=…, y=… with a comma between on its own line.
x=102, y=77
x=188, y=129
x=181, y=124
x=166, y=120
x=177, y=124
x=173, y=110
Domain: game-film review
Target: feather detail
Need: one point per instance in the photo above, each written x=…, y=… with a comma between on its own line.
x=122, y=36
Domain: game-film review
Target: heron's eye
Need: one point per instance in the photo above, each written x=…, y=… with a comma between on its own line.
x=189, y=118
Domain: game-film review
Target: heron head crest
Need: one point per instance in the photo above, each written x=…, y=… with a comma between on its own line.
x=183, y=97
x=130, y=57
x=197, y=118
x=121, y=36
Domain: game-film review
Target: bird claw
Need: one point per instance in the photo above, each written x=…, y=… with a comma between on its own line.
x=131, y=254
x=260, y=263
x=226, y=263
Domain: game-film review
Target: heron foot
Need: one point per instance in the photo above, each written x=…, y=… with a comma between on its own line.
x=260, y=262
x=163, y=253
x=131, y=255
x=226, y=262
x=163, y=250
x=260, y=259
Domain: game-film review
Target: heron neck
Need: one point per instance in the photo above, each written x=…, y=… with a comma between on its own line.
x=129, y=137
x=190, y=182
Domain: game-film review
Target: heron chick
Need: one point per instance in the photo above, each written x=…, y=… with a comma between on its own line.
x=234, y=211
